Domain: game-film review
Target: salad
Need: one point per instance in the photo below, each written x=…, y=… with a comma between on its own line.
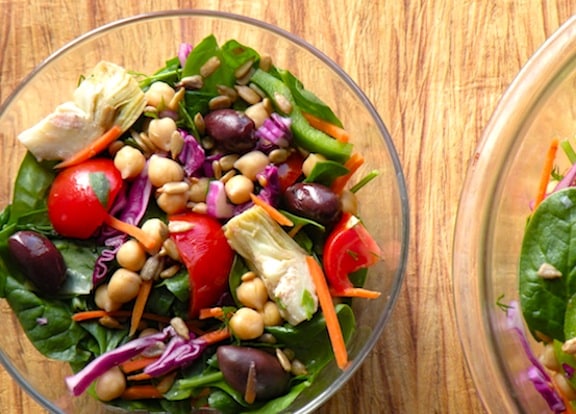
x=189, y=238
x=546, y=277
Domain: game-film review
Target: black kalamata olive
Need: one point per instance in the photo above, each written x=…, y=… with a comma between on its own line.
x=40, y=261
x=271, y=379
x=231, y=130
x=314, y=201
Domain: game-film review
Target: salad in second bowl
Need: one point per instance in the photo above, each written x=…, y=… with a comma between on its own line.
x=189, y=238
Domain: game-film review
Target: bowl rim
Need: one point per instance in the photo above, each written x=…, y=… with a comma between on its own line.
x=400, y=178
x=470, y=252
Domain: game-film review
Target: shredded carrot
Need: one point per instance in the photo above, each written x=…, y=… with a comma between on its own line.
x=207, y=313
x=292, y=233
x=334, y=131
x=141, y=392
x=147, y=241
x=139, y=304
x=546, y=172
x=272, y=211
x=352, y=164
x=95, y=147
x=137, y=364
x=214, y=337
x=355, y=292
x=327, y=306
x=142, y=376
x=88, y=315
x=97, y=314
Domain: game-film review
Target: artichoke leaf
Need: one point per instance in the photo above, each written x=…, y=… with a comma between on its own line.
x=108, y=96
x=279, y=261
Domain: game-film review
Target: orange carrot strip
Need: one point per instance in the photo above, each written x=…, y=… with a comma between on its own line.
x=546, y=172
x=207, y=313
x=139, y=304
x=148, y=242
x=272, y=211
x=87, y=315
x=97, y=314
x=141, y=392
x=142, y=376
x=136, y=364
x=352, y=164
x=356, y=293
x=327, y=306
x=95, y=147
x=334, y=131
x=213, y=337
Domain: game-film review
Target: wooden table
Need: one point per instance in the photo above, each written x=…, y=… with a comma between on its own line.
x=435, y=71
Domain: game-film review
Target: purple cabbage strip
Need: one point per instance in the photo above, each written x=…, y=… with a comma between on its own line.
x=179, y=353
x=192, y=155
x=207, y=170
x=183, y=51
x=271, y=191
x=536, y=373
x=217, y=203
x=568, y=179
x=275, y=130
x=79, y=382
x=568, y=370
x=133, y=207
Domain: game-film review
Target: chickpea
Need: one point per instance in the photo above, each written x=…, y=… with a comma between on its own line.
x=252, y=163
x=311, y=160
x=103, y=300
x=124, y=285
x=349, y=202
x=198, y=190
x=129, y=161
x=271, y=314
x=252, y=293
x=111, y=384
x=548, y=358
x=159, y=95
x=172, y=203
x=258, y=112
x=156, y=229
x=247, y=324
x=131, y=255
x=162, y=170
x=160, y=132
x=238, y=189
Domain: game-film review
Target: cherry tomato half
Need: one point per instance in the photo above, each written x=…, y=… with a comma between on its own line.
x=81, y=196
x=208, y=258
x=348, y=248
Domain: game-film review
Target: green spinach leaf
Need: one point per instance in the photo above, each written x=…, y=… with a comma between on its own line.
x=549, y=239
x=325, y=172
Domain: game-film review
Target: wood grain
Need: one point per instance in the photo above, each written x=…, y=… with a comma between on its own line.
x=435, y=71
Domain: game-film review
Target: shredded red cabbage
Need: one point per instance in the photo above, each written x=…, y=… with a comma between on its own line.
x=275, y=130
x=130, y=208
x=192, y=156
x=536, y=373
x=568, y=370
x=179, y=353
x=271, y=190
x=79, y=382
x=217, y=203
x=183, y=51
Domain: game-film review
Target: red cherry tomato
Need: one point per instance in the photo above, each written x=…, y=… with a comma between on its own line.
x=348, y=248
x=290, y=170
x=74, y=207
x=208, y=258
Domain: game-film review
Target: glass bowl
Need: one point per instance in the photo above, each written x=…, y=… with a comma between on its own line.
x=143, y=43
x=503, y=178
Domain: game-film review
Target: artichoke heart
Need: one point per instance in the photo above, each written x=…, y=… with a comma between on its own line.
x=108, y=96
x=279, y=261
